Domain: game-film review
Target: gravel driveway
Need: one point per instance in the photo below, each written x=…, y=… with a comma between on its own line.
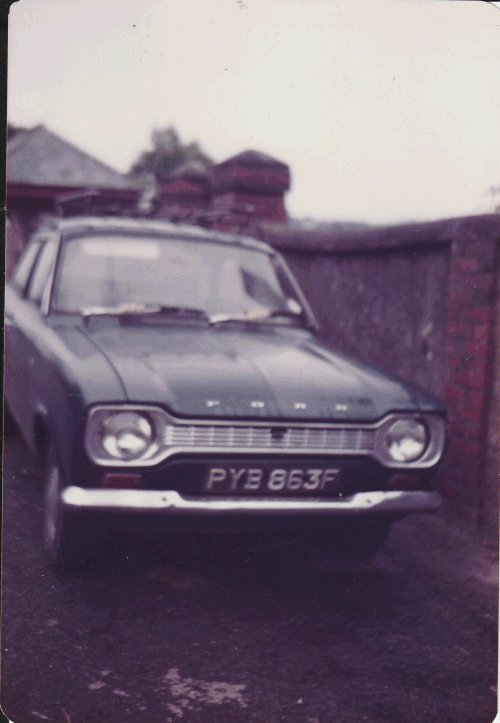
x=218, y=634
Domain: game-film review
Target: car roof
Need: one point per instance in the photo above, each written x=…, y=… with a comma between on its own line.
x=114, y=224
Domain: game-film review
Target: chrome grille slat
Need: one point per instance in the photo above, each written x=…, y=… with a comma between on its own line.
x=227, y=437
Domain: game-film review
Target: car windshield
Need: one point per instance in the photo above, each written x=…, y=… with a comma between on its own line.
x=216, y=278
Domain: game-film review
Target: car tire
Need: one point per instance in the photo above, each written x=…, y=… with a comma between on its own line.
x=66, y=539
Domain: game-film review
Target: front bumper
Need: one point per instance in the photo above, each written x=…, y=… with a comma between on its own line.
x=172, y=504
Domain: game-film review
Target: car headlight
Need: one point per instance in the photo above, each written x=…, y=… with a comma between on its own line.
x=122, y=435
x=126, y=435
x=406, y=440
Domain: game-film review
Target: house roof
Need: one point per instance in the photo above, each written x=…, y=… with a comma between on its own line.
x=253, y=158
x=39, y=157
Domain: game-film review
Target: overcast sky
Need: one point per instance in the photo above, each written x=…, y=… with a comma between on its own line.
x=385, y=110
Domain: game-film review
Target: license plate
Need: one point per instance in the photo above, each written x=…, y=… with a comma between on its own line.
x=267, y=479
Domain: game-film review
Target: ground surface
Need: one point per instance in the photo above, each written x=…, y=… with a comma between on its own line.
x=246, y=636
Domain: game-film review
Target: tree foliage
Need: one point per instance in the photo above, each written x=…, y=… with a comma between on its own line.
x=168, y=153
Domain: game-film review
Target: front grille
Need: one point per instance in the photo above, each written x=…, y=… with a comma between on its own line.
x=341, y=439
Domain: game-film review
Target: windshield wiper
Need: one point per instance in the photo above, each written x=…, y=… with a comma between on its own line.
x=255, y=316
x=134, y=309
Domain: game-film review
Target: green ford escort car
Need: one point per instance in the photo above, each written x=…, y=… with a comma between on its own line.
x=165, y=370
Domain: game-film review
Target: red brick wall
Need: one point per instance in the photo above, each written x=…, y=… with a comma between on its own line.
x=419, y=301
x=469, y=364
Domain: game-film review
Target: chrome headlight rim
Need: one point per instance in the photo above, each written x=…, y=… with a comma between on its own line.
x=406, y=439
x=126, y=435
x=436, y=425
x=136, y=427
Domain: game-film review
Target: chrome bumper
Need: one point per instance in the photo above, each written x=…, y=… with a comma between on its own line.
x=172, y=504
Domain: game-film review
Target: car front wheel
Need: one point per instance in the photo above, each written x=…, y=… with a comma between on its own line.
x=66, y=539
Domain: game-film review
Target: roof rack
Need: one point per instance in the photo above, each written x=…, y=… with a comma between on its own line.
x=93, y=203
x=238, y=218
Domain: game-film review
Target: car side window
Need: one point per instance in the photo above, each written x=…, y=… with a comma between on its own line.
x=24, y=267
x=42, y=270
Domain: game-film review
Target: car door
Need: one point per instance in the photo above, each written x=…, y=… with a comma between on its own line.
x=25, y=324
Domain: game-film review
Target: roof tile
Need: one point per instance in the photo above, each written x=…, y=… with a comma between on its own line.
x=40, y=157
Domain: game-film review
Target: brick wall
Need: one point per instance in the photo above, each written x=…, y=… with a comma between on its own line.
x=470, y=351
x=419, y=301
